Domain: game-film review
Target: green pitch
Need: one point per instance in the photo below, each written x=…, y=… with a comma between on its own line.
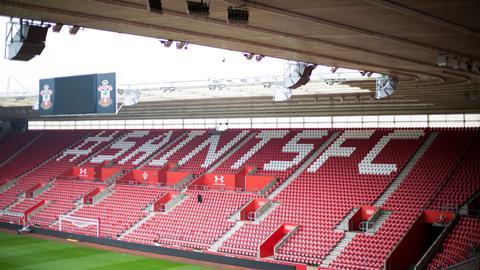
x=26, y=252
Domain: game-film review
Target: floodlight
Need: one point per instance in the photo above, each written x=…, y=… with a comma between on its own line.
x=476, y=67
x=167, y=43
x=249, y=56
x=462, y=64
x=74, y=30
x=181, y=45
x=57, y=27
x=259, y=57
x=131, y=97
x=442, y=59
x=282, y=94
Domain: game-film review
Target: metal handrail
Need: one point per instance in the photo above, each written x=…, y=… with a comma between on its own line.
x=367, y=226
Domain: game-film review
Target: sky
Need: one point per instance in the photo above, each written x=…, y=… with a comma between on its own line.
x=135, y=60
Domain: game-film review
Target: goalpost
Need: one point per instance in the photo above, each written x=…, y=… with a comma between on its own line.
x=80, y=222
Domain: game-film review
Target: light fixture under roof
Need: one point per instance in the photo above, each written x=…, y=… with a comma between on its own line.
x=198, y=8
x=131, y=97
x=155, y=6
x=74, y=30
x=385, y=86
x=442, y=59
x=249, y=56
x=237, y=15
x=167, y=43
x=282, y=94
x=57, y=27
x=297, y=74
x=476, y=67
x=181, y=45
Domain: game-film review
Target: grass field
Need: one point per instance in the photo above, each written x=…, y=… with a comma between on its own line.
x=26, y=252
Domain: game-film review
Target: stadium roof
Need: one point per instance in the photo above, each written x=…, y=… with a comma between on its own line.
x=401, y=38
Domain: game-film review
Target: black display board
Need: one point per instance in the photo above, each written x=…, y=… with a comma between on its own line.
x=77, y=95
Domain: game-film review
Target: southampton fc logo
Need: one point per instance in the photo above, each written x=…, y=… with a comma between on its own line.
x=105, y=94
x=145, y=176
x=46, y=94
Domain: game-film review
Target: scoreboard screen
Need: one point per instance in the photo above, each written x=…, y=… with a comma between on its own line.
x=77, y=95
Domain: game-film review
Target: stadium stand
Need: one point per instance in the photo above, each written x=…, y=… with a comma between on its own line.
x=175, y=152
x=319, y=192
x=12, y=143
x=463, y=183
x=198, y=150
x=206, y=221
x=111, y=210
x=325, y=176
x=61, y=199
x=459, y=245
x=27, y=163
x=407, y=202
x=281, y=144
x=51, y=154
x=125, y=152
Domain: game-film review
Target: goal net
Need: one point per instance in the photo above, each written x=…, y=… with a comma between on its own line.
x=20, y=218
x=79, y=222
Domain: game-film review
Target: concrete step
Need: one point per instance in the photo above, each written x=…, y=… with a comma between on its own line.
x=338, y=249
x=406, y=170
x=379, y=222
x=217, y=244
x=342, y=226
x=136, y=225
x=265, y=214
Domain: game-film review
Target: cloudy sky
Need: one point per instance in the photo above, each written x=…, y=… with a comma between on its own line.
x=134, y=59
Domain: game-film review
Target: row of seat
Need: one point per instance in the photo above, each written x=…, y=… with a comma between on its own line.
x=464, y=182
x=206, y=221
x=408, y=200
x=459, y=245
x=316, y=201
x=111, y=210
x=47, y=146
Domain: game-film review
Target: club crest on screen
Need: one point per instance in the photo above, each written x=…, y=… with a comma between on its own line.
x=105, y=94
x=46, y=94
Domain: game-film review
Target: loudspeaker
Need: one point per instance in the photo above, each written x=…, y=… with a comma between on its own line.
x=28, y=42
